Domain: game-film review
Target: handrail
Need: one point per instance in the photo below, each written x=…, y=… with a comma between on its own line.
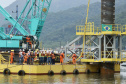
x=90, y=29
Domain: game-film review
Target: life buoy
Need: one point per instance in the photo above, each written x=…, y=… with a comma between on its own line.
x=6, y=72
x=50, y=72
x=75, y=71
x=63, y=72
x=87, y=71
x=21, y=73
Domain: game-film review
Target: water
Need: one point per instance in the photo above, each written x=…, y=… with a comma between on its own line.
x=67, y=79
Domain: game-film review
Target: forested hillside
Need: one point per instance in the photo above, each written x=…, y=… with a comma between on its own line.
x=60, y=27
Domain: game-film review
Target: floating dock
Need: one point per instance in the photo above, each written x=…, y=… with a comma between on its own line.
x=54, y=69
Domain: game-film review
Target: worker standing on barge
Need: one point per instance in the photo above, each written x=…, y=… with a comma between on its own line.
x=25, y=58
x=74, y=58
x=45, y=58
x=12, y=55
x=42, y=57
x=61, y=57
x=28, y=59
x=53, y=58
x=49, y=58
x=20, y=57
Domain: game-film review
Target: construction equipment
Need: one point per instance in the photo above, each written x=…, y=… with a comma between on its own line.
x=35, y=17
x=100, y=43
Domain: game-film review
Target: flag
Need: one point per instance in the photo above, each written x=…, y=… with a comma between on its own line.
x=106, y=27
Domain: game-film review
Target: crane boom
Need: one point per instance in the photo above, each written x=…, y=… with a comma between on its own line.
x=13, y=21
x=39, y=16
x=38, y=10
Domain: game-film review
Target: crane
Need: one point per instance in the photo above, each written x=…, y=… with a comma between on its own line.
x=35, y=17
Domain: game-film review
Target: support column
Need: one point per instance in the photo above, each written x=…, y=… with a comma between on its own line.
x=104, y=46
x=120, y=46
x=99, y=48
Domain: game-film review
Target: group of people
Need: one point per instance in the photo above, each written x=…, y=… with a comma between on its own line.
x=44, y=57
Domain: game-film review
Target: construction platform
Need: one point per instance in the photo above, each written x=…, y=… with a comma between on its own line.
x=100, y=44
x=52, y=69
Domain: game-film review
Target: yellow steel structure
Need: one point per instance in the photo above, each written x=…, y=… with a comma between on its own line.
x=97, y=31
x=92, y=30
x=90, y=57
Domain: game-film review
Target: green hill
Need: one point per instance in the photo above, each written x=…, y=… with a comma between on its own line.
x=61, y=26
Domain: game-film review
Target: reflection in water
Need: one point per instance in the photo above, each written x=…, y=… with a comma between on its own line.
x=123, y=77
x=67, y=79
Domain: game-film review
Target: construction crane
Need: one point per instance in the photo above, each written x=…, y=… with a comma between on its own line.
x=35, y=16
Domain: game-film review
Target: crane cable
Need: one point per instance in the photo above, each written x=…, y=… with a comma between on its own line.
x=84, y=31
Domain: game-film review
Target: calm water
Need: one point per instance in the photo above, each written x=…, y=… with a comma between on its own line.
x=67, y=79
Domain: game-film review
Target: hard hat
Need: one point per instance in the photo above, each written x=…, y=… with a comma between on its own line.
x=12, y=50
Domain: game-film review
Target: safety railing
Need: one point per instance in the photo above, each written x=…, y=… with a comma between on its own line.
x=124, y=29
x=88, y=55
x=97, y=30
x=116, y=27
x=105, y=56
x=80, y=30
x=106, y=29
x=110, y=54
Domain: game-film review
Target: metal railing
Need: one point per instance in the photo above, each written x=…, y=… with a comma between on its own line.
x=124, y=29
x=105, y=56
x=90, y=29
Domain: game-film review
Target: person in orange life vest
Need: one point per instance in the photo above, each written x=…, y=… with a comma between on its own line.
x=74, y=58
x=61, y=57
x=12, y=55
x=53, y=58
x=25, y=57
x=28, y=40
x=42, y=57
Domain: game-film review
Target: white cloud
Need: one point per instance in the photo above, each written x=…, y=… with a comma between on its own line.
x=5, y=3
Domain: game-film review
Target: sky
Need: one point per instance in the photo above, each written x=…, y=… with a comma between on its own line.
x=5, y=3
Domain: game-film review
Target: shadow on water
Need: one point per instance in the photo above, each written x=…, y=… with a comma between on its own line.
x=92, y=78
